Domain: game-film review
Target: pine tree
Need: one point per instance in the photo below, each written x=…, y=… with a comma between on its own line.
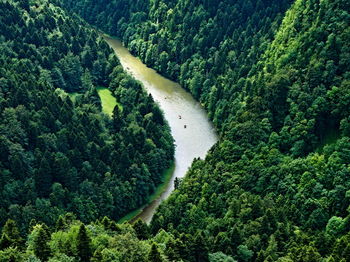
x=106, y=222
x=83, y=244
x=10, y=235
x=60, y=224
x=97, y=257
x=40, y=243
x=117, y=119
x=154, y=255
x=86, y=81
x=141, y=229
x=200, y=250
x=173, y=249
x=5, y=241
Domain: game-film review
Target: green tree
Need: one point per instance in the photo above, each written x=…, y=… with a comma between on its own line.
x=41, y=238
x=10, y=255
x=154, y=255
x=10, y=235
x=199, y=248
x=244, y=253
x=141, y=229
x=83, y=243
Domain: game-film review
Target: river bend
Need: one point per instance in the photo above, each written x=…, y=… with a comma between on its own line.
x=193, y=133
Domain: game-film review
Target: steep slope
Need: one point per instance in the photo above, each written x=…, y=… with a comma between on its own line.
x=276, y=186
x=208, y=46
x=57, y=155
x=264, y=194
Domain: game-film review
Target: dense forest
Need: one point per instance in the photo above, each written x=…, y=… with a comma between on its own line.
x=69, y=240
x=274, y=77
x=61, y=154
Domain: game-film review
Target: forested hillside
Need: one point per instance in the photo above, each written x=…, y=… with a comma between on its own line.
x=58, y=151
x=273, y=75
x=276, y=84
x=208, y=46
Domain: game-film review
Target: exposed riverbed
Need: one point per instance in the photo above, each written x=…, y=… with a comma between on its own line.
x=194, y=134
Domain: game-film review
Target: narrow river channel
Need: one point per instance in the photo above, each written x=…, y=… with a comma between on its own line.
x=194, y=134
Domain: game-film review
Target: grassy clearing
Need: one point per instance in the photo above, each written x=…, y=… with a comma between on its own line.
x=167, y=174
x=108, y=100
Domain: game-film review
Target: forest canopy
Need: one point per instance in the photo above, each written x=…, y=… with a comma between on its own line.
x=58, y=152
x=274, y=77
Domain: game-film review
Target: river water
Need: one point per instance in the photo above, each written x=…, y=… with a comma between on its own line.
x=193, y=133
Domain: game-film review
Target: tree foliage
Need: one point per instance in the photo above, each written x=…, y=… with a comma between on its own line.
x=275, y=83
x=58, y=152
x=274, y=78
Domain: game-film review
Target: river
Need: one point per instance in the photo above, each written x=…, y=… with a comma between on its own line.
x=193, y=133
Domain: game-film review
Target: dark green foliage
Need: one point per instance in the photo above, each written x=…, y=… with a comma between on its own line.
x=154, y=255
x=83, y=244
x=275, y=83
x=199, y=248
x=276, y=185
x=141, y=229
x=10, y=236
x=58, y=152
x=174, y=249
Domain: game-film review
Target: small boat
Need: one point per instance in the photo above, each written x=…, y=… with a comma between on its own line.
x=180, y=117
x=185, y=126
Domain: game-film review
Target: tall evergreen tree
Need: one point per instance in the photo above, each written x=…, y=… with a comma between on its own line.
x=83, y=243
x=141, y=229
x=154, y=255
x=41, y=238
x=10, y=235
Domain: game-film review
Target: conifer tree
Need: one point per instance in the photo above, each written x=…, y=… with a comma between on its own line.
x=10, y=235
x=83, y=244
x=200, y=249
x=154, y=255
x=60, y=224
x=41, y=243
x=141, y=229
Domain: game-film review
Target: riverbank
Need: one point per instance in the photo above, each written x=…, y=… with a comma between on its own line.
x=191, y=129
x=167, y=175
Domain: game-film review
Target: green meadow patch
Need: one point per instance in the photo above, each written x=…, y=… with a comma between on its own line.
x=108, y=100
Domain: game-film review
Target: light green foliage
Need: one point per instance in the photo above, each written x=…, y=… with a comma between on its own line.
x=62, y=258
x=110, y=255
x=39, y=242
x=244, y=253
x=33, y=258
x=335, y=226
x=78, y=242
x=11, y=254
x=220, y=257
